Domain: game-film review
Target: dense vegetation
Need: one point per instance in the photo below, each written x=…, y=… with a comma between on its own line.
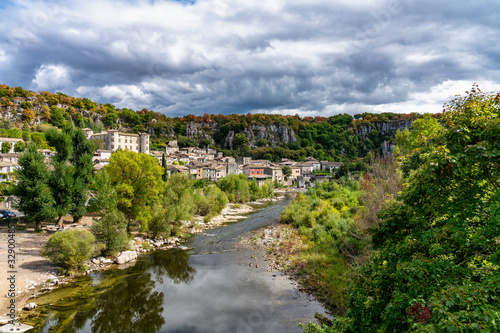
x=435, y=260
x=324, y=216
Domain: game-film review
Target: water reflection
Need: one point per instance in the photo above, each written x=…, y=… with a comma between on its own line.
x=174, y=265
x=120, y=300
x=132, y=306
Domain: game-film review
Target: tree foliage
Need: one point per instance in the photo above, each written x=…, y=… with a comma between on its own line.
x=435, y=268
x=81, y=159
x=61, y=177
x=35, y=198
x=111, y=230
x=422, y=131
x=6, y=146
x=109, y=225
x=138, y=183
x=19, y=147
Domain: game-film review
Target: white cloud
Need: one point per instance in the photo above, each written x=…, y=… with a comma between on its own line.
x=3, y=56
x=432, y=101
x=51, y=77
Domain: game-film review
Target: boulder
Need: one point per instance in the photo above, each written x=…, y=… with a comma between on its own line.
x=29, y=306
x=126, y=256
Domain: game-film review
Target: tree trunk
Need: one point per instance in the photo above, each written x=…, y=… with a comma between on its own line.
x=59, y=221
x=76, y=219
x=38, y=226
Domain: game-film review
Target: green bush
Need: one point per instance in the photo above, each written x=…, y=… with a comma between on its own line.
x=69, y=249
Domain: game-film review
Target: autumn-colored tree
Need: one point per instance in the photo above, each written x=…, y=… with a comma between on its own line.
x=28, y=115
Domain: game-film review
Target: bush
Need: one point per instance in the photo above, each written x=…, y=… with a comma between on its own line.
x=69, y=249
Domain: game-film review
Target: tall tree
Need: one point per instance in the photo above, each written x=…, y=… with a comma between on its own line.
x=32, y=190
x=138, y=182
x=110, y=225
x=81, y=159
x=61, y=179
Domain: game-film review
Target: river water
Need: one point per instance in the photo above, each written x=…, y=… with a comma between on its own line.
x=209, y=288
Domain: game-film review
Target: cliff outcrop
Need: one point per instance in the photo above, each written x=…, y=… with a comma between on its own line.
x=383, y=128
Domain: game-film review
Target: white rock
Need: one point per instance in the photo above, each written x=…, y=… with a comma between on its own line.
x=29, y=306
x=126, y=256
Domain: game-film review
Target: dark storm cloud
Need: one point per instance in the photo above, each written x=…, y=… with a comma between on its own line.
x=286, y=56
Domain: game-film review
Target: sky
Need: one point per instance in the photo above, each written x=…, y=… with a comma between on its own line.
x=312, y=58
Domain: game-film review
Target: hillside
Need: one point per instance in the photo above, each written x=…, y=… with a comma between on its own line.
x=340, y=137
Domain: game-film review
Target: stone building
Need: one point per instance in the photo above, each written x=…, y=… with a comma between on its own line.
x=113, y=139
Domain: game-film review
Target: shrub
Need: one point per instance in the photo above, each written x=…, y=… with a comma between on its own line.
x=69, y=249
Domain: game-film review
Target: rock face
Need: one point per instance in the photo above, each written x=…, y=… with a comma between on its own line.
x=387, y=149
x=126, y=256
x=273, y=134
x=384, y=128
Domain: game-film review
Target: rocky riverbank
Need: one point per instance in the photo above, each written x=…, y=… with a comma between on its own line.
x=282, y=249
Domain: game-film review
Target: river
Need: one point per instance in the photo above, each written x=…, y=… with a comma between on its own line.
x=209, y=288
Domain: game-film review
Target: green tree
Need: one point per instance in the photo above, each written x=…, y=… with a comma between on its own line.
x=61, y=177
x=14, y=133
x=422, y=130
x=178, y=198
x=110, y=225
x=436, y=259
x=19, y=147
x=81, y=159
x=6, y=146
x=32, y=189
x=111, y=230
x=287, y=171
x=159, y=223
x=57, y=116
x=26, y=136
x=138, y=182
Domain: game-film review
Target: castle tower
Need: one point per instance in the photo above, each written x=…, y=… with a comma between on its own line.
x=144, y=143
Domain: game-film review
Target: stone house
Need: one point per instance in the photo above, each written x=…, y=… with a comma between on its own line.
x=330, y=166
x=306, y=168
x=113, y=140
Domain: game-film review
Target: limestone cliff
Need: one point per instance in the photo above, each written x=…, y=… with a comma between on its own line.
x=383, y=128
x=274, y=135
